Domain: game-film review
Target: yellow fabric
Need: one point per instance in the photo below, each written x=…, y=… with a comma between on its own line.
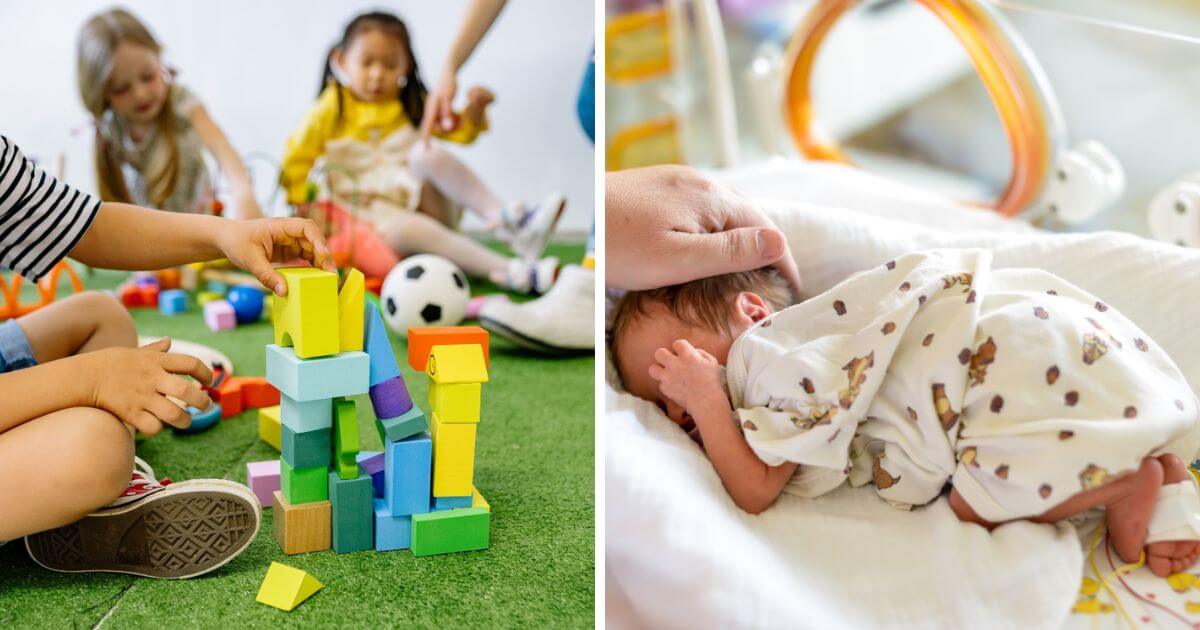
x=360, y=120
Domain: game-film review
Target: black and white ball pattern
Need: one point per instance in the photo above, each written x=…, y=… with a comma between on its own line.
x=424, y=290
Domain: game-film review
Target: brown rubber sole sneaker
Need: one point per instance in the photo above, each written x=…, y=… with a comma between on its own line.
x=188, y=529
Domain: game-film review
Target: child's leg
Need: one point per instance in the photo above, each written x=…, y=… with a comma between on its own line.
x=76, y=324
x=57, y=468
x=437, y=166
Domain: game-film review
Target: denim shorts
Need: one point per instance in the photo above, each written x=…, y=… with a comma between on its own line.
x=15, y=352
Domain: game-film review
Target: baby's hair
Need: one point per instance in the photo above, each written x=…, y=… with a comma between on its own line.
x=412, y=94
x=705, y=302
x=98, y=41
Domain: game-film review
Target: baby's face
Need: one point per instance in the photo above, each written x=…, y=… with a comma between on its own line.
x=658, y=328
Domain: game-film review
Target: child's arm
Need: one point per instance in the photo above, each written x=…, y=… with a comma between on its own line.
x=128, y=237
x=245, y=206
x=692, y=378
x=132, y=384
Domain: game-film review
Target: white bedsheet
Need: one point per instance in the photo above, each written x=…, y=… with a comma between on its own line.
x=680, y=554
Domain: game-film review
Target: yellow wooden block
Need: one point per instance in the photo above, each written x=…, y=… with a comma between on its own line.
x=270, y=428
x=453, y=457
x=286, y=587
x=455, y=402
x=460, y=363
x=308, y=317
x=477, y=500
x=350, y=311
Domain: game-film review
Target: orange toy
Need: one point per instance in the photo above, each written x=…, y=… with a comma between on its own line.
x=169, y=279
x=236, y=394
x=47, y=290
x=422, y=340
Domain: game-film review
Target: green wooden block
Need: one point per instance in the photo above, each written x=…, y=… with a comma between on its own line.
x=353, y=515
x=450, y=531
x=305, y=449
x=406, y=425
x=303, y=485
x=345, y=438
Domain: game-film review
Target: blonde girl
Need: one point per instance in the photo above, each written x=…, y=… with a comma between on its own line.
x=364, y=129
x=150, y=131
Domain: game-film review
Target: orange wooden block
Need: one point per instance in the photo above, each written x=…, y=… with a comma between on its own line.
x=303, y=527
x=229, y=396
x=169, y=279
x=258, y=393
x=422, y=340
x=149, y=296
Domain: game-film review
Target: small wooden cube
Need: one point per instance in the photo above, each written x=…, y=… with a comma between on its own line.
x=422, y=340
x=302, y=528
x=270, y=428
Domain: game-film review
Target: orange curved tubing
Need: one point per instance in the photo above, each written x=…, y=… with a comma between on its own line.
x=1019, y=100
x=47, y=290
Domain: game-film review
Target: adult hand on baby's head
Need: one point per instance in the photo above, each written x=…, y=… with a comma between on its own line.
x=253, y=245
x=667, y=225
x=685, y=373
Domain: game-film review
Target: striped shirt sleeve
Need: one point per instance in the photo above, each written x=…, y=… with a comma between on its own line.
x=41, y=218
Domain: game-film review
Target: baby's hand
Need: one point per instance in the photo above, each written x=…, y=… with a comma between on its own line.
x=252, y=245
x=133, y=384
x=686, y=374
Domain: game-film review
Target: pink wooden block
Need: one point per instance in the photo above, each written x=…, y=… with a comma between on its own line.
x=263, y=479
x=219, y=315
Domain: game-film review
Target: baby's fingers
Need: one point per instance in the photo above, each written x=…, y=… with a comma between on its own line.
x=657, y=372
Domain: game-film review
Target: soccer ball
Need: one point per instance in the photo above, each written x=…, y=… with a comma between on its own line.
x=424, y=290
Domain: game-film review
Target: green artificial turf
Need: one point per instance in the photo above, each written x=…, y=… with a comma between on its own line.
x=534, y=464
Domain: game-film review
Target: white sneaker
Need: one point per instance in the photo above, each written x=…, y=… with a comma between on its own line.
x=528, y=227
x=532, y=277
x=559, y=323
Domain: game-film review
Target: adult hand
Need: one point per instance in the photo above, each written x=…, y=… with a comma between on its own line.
x=438, y=107
x=667, y=225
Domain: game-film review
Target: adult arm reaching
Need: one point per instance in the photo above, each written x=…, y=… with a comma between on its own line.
x=439, y=105
x=667, y=225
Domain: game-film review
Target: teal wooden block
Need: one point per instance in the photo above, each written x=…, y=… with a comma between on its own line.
x=451, y=531
x=375, y=343
x=391, y=532
x=305, y=416
x=303, y=485
x=449, y=503
x=406, y=425
x=345, y=438
x=305, y=449
x=353, y=514
x=342, y=374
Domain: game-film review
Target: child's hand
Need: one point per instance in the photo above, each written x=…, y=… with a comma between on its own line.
x=253, y=245
x=133, y=384
x=478, y=98
x=686, y=374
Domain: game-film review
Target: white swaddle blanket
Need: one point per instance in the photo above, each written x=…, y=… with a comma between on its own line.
x=1022, y=387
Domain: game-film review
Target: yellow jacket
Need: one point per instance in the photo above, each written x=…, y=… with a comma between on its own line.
x=360, y=120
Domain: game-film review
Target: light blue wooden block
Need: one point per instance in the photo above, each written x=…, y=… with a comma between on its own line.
x=391, y=532
x=343, y=374
x=449, y=503
x=305, y=416
x=383, y=362
x=408, y=475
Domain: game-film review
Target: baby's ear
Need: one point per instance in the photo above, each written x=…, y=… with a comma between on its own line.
x=750, y=308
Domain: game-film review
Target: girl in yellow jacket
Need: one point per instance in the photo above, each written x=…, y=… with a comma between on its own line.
x=364, y=130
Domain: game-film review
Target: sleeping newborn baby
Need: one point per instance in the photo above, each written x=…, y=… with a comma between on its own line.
x=1030, y=398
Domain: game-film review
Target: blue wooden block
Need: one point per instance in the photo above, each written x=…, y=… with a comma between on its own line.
x=305, y=416
x=391, y=532
x=202, y=420
x=372, y=464
x=305, y=449
x=353, y=518
x=449, y=503
x=403, y=426
x=172, y=302
x=375, y=343
x=343, y=374
x=408, y=475
x=217, y=287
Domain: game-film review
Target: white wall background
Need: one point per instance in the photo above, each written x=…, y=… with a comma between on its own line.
x=256, y=66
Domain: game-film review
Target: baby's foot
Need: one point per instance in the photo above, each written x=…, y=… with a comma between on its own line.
x=1129, y=514
x=1172, y=556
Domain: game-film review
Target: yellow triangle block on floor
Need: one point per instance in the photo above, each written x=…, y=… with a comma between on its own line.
x=458, y=363
x=286, y=587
